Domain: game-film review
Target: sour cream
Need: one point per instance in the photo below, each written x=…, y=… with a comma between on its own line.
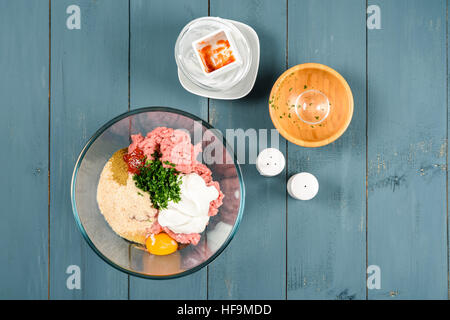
x=190, y=214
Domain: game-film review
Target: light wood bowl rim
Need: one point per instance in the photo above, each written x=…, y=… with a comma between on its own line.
x=338, y=133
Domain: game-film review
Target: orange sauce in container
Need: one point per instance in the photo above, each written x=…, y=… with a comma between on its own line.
x=215, y=56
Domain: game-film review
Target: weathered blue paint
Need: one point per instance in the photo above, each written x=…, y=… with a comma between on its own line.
x=155, y=26
x=254, y=264
x=24, y=138
x=89, y=85
x=407, y=146
x=314, y=249
x=326, y=235
x=446, y=161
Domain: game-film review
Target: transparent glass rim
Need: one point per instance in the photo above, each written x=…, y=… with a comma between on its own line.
x=83, y=230
x=297, y=106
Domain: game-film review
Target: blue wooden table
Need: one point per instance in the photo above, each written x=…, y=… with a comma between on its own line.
x=383, y=199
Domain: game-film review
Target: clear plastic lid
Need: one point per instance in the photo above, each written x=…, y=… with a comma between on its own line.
x=191, y=66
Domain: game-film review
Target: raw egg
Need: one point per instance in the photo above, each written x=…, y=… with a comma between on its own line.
x=161, y=244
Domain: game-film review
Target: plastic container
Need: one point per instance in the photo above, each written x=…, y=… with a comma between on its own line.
x=221, y=45
x=270, y=162
x=188, y=61
x=303, y=186
x=245, y=85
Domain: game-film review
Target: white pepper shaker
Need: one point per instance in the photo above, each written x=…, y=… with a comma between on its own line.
x=303, y=186
x=270, y=162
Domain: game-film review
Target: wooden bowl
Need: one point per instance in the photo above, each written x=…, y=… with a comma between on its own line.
x=299, y=79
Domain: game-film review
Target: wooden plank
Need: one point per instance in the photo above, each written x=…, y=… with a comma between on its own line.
x=253, y=266
x=155, y=26
x=326, y=235
x=89, y=85
x=24, y=161
x=407, y=112
x=446, y=159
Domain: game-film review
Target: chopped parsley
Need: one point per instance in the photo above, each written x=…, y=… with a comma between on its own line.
x=163, y=184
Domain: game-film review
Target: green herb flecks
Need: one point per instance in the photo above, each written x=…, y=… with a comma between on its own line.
x=163, y=184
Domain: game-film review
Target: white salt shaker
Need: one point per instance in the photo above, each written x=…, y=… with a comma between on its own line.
x=270, y=162
x=303, y=186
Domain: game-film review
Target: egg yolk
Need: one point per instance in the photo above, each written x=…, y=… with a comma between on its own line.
x=161, y=244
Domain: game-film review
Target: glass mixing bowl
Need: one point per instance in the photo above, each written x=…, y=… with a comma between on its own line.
x=133, y=258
